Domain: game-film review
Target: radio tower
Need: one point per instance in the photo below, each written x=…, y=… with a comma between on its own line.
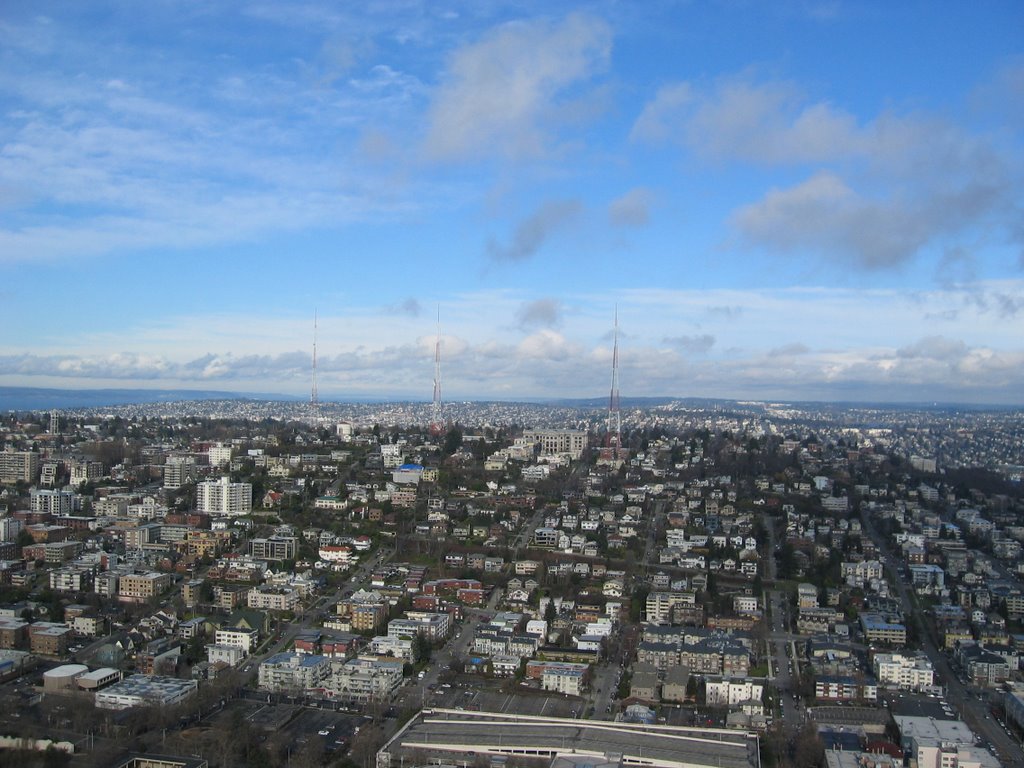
x=435, y=417
x=314, y=398
x=614, y=414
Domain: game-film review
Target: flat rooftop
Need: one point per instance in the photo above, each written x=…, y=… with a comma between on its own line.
x=455, y=734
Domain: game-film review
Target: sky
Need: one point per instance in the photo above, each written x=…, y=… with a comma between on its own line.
x=787, y=200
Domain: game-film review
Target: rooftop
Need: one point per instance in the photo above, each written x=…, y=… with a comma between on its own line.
x=454, y=732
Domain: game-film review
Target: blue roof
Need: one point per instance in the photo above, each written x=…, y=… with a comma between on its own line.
x=411, y=466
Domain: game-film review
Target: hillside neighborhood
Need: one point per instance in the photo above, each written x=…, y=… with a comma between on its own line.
x=730, y=587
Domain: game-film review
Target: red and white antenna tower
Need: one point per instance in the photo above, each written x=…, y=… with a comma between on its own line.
x=614, y=414
x=314, y=397
x=435, y=417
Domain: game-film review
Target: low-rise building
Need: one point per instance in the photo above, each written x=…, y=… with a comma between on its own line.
x=726, y=692
x=273, y=598
x=293, y=672
x=145, y=690
x=565, y=677
x=903, y=671
x=364, y=680
x=879, y=629
x=139, y=587
x=239, y=637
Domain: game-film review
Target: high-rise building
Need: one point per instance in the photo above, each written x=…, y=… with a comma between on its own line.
x=178, y=471
x=220, y=455
x=18, y=465
x=222, y=497
x=85, y=471
x=52, y=501
x=49, y=472
x=9, y=528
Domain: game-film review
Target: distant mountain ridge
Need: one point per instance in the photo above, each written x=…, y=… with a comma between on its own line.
x=42, y=399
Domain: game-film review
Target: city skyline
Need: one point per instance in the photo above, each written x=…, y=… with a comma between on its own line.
x=795, y=201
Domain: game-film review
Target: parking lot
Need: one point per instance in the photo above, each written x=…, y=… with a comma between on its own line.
x=490, y=698
x=299, y=723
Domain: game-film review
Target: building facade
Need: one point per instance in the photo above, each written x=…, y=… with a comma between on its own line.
x=222, y=497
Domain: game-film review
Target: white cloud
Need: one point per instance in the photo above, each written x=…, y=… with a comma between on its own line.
x=534, y=231
x=766, y=123
x=541, y=312
x=933, y=348
x=500, y=94
x=97, y=163
x=547, y=345
x=660, y=118
x=789, y=350
x=882, y=190
x=823, y=215
x=692, y=345
x=408, y=306
x=854, y=344
x=631, y=209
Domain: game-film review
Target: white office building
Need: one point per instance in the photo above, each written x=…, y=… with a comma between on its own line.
x=558, y=441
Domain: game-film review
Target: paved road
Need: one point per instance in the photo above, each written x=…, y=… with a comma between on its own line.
x=784, y=668
x=653, y=526
x=417, y=693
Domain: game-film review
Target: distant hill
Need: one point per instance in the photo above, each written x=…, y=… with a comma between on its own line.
x=38, y=399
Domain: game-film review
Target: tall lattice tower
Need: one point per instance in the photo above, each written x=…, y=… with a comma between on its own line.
x=314, y=396
x=614, y=414
x=436, y=424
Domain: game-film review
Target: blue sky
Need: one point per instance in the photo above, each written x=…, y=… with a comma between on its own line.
x=786, y=200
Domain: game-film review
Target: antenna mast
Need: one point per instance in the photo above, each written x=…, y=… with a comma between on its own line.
x=436, y=424
x=314, y=398
x=614, y=414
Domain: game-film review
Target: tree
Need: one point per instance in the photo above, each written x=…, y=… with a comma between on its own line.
x=691, y=688
x=550, y=612
x=420, y=648
x=452, y=441
x=808, y=751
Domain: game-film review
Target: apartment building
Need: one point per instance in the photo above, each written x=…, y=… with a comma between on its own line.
x=51, y=502
x=222, y=497
x=364, y=680
x=903, y=671
x=273, y=598
x=142, y=586
x=18, y=466
x=72, y=579
x=293, y=672
x=85, y=472
x=274, y=547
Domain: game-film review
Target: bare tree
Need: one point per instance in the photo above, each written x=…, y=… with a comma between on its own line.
x=808, y=750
